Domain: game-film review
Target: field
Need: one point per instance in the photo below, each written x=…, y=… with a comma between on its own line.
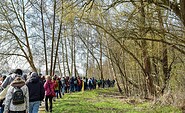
x=107, y=101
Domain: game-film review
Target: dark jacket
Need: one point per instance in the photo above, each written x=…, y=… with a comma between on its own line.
x=36, y=89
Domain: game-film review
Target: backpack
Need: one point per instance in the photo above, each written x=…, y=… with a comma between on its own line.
x=79, y=82
x=18, y=96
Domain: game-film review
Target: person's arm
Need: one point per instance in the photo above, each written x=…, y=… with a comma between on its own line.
x=5, y=82
x=8, y=99
x=27, y=99
x=45, y=85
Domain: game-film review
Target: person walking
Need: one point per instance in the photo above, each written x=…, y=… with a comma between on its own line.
x=6, y=82
x=36, y=92
x=9, y=79
x=11, y=97
x=55, y=81
x=63, y=83
x=60, y=86
x=49, y=88
x=1, y=101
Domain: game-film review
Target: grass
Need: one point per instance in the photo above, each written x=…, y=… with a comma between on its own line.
x=106, y=101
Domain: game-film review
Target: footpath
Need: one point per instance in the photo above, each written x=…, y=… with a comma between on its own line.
x=42, y=108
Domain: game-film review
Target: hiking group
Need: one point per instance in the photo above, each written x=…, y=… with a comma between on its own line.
x=21, y=93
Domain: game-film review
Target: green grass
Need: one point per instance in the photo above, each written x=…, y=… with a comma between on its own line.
x=105, y=101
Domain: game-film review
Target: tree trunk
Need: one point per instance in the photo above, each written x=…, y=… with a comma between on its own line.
x=59, y=67
x=44, y=38
x=146, y=59
x=117, y=83
x=62, y=42
x=63, y=57
x=164, y=54
x=67, y=62
x=115, y=76
x=101, y=62
x=182, y=7
x=53, y=39
x=57, y=46
x=72, y=56
x=87, y=58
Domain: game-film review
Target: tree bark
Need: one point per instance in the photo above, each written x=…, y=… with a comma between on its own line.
x=57, y=46
x=53, y=39
x=66, y=57
x=44, y=38
x=164, y=54
x=146, y=59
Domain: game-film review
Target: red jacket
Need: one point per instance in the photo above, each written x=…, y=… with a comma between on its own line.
x=49, y=87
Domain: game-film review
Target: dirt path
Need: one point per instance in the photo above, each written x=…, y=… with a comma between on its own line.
x=42, y=108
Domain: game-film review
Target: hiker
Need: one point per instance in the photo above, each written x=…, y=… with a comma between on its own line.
x=108, y=82
x=60, y=86
x=25, y=77
x=99, y=82
x=1, y=101
x=55, y=81
x=42, y=79
x=103, y=83
x=12, y=104
x=49, y=87
x=71, y=84
x=63, y=82
x=85, y=83
x=90, y=83
x=67, y=86
x=79, y=85
x=75, y=84
x=94, y=83
x=36, y=92
x=7, y=81
x=113, y=82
